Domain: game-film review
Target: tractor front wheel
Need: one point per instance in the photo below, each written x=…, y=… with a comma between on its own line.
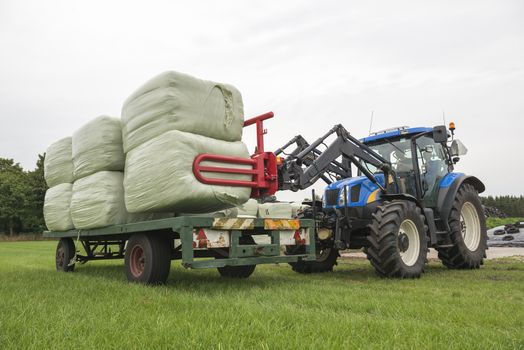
x=397, y=240
x=326, y=258
x=468, y=232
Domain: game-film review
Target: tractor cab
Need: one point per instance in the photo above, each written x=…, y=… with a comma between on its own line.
x=419, y=157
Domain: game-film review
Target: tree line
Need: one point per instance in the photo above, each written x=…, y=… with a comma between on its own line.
x=21, y=197
x=512, y=206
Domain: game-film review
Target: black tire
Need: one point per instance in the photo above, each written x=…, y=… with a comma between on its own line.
x=389, y=246
x=148, y=258
x=326, y=259
x=65, y=251
x=243, y=271
x=460, y=256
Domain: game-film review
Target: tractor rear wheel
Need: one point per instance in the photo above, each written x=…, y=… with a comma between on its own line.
x=148, y=258
x=65, y=252
x=468, y=232
x=397, y=240
x=326, y=258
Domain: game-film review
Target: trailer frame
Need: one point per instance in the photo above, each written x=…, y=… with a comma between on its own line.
x=97, y=242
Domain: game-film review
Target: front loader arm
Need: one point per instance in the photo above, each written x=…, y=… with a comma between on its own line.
x=294, y=176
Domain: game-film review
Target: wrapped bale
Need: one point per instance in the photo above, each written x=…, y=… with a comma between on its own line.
x=58, y=163
x=176, y=101
x=297, y=208
x=277, y=210
x=159, y=175
x=98, y=200
x=97, y=146
x=248, y=210
x=56, y=208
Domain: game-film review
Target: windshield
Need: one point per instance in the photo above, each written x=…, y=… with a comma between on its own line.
x=397, y=152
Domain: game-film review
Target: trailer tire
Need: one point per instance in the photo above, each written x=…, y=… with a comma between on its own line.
x=326, y=259
x=148, y=259
x=466, y=217
x=65, y=252
x=398, y=240
x=243, y=271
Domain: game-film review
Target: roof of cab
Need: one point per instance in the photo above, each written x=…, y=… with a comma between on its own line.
x=394, y=133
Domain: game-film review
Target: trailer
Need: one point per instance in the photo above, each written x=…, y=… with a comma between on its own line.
x=228, y=244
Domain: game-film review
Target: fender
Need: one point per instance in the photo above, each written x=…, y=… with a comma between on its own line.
x=449, y=187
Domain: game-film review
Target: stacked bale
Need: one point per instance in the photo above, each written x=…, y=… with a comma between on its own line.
x=58, y=174
x=166, y=123
x=276, y=210
x=98, y=160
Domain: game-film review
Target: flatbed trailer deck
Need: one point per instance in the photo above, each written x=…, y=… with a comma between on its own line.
x=149, y=246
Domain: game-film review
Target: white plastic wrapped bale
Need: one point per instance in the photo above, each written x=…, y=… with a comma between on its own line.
x=58, y=163
x=97, y=146
x=297, y=207
x=248, y=210
x=159, y=175
x=56, y=208
x=278, y=210
x=176, y=101
x=98, y=200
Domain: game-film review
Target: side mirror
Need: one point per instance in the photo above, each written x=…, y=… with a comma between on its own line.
x=440, y=134
x=457, y=149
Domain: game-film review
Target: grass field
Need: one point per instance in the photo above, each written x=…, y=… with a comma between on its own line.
x=494, y=222
x=274, y=309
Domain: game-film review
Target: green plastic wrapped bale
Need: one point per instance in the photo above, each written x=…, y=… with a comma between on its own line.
x=58, y=163
x=56, y=208
x=277, y=210
x=176, y=101
x=98, y=200
x=97, y=146
x=159, y=175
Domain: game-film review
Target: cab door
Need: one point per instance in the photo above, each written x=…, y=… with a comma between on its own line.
x=432, y=164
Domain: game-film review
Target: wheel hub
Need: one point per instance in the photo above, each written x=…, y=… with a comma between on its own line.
x=137, y=261
x=408, y=242
x=470, y=226
x=403, y=242
x=60, y=256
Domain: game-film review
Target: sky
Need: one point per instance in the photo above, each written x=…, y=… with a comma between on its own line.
x=313, y=63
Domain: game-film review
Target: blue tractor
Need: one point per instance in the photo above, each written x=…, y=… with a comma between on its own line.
x=394, y=193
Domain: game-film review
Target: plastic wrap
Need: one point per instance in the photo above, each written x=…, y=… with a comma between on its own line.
x=98, y=200
x=56, y=207
x=159, y=175
x=97, y=146
x=176, y=101
x=297, y=207
x=58, y=163
x=278, y=210
x=248, y=210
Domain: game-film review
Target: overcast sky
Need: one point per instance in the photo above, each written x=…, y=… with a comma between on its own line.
x=314, y=63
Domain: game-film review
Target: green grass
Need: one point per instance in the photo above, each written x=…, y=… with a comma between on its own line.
x=274, y=309
x=494, y=222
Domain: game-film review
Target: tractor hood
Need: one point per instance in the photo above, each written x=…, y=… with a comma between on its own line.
x=360, y=191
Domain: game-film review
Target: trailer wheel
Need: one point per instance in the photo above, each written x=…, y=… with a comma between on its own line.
x=65, y=252
x=326, y=258
x=147, y=259
x=468, y=232
x=243, y=271
x=397, y=240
